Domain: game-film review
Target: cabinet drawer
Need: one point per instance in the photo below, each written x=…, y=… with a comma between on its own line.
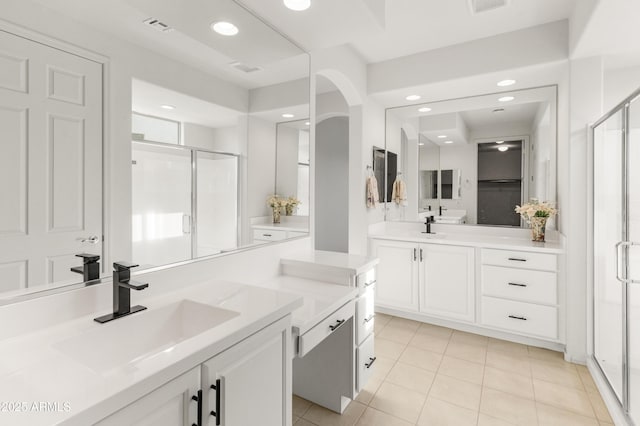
x=365, y=359
x=519, y=259
x=520, y=317
x=366, y=279
x=338, y=319
x=269, y=234
x=293, y=234
x=365, y=312
x=520, y=284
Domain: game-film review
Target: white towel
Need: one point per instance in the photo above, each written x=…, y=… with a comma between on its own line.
x=399, y=193
x=372, y=192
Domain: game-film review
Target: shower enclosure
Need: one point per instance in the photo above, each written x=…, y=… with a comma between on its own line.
x=616, y=252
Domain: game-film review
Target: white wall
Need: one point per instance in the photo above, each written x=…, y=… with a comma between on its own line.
x=288, y=139
x=540, y=155
x=261, y=160
x=619, y=83
x=464, y=158
x=222, y=139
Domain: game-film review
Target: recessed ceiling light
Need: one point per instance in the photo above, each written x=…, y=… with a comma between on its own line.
x=224, y=28
x=287, y=116
x=505, y=83
x=307, y=123
x=297, y=5
x=499, y=142
x=503, y=148
x=167, y=107
x=448, y=142
x=424, y=109
x=413, y=97
x=421, y=143
x=506, y=99
x=442, y=136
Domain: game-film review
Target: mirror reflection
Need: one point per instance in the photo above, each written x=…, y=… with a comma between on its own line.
x=472, y=160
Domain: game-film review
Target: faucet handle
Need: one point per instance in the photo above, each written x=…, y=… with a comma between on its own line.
x=121, y=265
x=88, y=258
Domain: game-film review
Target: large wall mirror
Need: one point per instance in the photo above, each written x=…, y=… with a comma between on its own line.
x=191, y=164
x=472, y=160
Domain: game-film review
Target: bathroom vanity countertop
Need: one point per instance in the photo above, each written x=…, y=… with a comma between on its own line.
x=321, y=299
x=352, y=263
x=34, y=369
x=471, y=240
x=296, y=227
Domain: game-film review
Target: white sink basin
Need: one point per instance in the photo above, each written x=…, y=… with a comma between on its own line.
x=143, y=335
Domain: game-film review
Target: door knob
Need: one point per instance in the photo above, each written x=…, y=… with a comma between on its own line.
x=92, y=239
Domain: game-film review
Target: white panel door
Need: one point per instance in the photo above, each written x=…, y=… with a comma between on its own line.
x=398, y=274
x=448, y=281
x=50, y=162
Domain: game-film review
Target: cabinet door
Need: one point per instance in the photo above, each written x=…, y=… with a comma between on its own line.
x=397, y=283
x=245, y=385
x=169, y=405
x=447, y=281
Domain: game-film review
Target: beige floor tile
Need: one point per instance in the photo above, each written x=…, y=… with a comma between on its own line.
x=404, y=323
x=383, y=319
x=295, y=419
x=506, y=381
x=300, y=406
x=469, y=338
x=565, y=375
x=378, y=326
x=553, y=416
x=541, y=353
x=509, y=362
x=497, y=345
x=426, y=360
x=399, y=402
x=456, y=391
x=563, y=397
x=435, y=330
x=442, y=413
x=366, y=394
x=388, y=348
x=599, y=407
x=473, y=353
x=587, y=380
x=429, y=342
x=485, y=420
x=395, y=333
x=323, y=417
x=511, y=408
x=304, y=422
x=373, y=417
x=411, y=377
x=381, y=367
x=461, y=369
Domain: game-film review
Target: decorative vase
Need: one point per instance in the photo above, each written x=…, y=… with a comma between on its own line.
x=288, y=209
x=538, y=225
x=276, y=214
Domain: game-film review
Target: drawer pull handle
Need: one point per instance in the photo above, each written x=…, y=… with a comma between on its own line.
x=216, y=413
x=372, y=360
x=517, y=317
x=366, y=320
x=415, y=254
x=369, y=284
x=336, y=326
x=517, y=259
x=517, y=285
x=267, y=235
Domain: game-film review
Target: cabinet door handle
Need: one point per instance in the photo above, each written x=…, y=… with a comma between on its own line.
x=517, y=317
x=517, y=284
x=420, y=255
x=337, y=325
x=517, y=259
x=198, y=399
x=415, y=254
x=371, y=361
x=370, y=318
x=267, y=235
x=216, y=413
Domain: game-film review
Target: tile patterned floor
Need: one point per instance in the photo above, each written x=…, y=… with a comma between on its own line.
x=433, y=376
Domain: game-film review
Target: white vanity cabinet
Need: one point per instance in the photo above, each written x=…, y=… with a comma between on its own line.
x=433, y=279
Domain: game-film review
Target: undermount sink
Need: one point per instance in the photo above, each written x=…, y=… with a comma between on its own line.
x=143, y=335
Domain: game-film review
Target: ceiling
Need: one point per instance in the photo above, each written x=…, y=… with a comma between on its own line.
x=515, y=115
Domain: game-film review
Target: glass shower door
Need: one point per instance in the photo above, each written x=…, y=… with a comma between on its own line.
x=609, y=293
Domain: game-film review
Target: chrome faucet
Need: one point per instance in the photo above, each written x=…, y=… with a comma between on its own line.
x=122, y=286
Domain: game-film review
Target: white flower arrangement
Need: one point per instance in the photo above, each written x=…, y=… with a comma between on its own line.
x=276, y=202
x=534, y=208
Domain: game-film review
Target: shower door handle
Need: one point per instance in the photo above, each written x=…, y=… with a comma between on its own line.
x=619, y=245
x=186, y=224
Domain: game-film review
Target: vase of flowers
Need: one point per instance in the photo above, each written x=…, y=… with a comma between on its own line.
x=292, y=203
x=536, y=214
x=276, y=203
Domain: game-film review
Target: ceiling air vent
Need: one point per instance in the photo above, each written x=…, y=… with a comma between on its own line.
x=244, y=67
x=478, y=6
x=157, y=25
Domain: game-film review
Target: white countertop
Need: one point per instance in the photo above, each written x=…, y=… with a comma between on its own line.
x=354, y=264
x=470, y=240
x=296, y=227
x=321, y=299
x=34, y=370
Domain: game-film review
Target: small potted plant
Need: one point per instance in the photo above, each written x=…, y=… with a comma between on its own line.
x=276, y=203
x=536, y=214
x=291, y=204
